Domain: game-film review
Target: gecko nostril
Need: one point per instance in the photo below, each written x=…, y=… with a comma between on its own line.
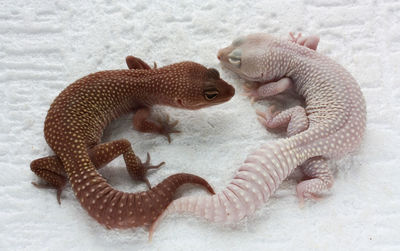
x=219, y=55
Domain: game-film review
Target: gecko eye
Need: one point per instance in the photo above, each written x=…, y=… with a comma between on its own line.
x=234, y=61
x=235, y=58
x=210, y=94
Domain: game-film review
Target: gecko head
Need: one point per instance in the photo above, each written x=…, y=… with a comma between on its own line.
x=248, y=57
x=195, y=86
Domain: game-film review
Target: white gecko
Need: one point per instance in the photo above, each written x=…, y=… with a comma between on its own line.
x=331, y=124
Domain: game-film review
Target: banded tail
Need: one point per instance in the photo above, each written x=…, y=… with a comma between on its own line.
x=256, y=180
x=117, y=209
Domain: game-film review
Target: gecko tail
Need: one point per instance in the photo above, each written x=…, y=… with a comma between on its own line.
x=180, y=205
x=157, y=222
x=255, y=181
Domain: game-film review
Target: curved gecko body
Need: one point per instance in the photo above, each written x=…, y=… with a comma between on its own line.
x=78, y=116
x=331, y=124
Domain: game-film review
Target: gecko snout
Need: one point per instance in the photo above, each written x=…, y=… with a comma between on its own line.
x=222, y=53
x=219, y=55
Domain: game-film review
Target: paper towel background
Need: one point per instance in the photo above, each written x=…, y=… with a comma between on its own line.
x=46, y=45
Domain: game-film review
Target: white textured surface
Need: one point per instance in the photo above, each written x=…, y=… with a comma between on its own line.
x=46, y=46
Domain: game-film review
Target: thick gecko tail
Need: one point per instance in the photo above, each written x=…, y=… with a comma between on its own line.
x=256, y=180
x=157, y=222
x=178, y=179
x=117, y=209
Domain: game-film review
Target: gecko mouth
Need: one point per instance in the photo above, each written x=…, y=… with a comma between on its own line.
x=180, y=104
x=249, y=78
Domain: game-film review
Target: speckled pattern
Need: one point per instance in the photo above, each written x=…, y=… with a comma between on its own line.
x=331, y=125
x=47, y=44
x=78, y=116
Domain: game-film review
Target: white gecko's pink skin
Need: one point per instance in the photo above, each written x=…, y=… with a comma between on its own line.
x=331, y=124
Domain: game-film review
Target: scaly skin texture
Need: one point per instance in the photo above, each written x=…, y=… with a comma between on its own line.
x=78, y=116
x=331, y=124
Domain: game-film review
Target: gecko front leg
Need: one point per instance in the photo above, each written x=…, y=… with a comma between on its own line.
x=319, y=179
x=51, y=168
x=268, y=89
x=142, y=123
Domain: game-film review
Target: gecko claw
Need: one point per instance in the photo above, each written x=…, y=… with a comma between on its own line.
x=303, y=197
x=167, y=128
x=141, y=174
x=302, y=194
x=59, y=191
x=148, y=166
x=269, y=114
x=146, y=180
x=251, y=92
x=265, y=117
x=294, y=38
x=260, y=113
x=310, y=42
x=49, y=186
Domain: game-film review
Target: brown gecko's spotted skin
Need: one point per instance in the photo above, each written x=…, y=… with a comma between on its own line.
x=78, y=116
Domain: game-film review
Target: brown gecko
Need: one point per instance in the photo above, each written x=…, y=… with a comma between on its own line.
x=76, y=120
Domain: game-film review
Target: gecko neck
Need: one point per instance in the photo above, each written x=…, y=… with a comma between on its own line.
x=154, y=87
x=277, y=53
x=302, y=62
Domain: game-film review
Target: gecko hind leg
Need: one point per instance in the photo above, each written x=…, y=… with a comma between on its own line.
x=52, y=171
x=320, y=178
x=104, y=153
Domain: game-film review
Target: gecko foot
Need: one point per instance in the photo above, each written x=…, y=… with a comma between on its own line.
x=141, y=174
x=310, y=42
x=294, y=38
x=49, y=186
x=304, y=195
x=168, y=127
x=250, y=90
x=303, y=191
x=266, y=117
